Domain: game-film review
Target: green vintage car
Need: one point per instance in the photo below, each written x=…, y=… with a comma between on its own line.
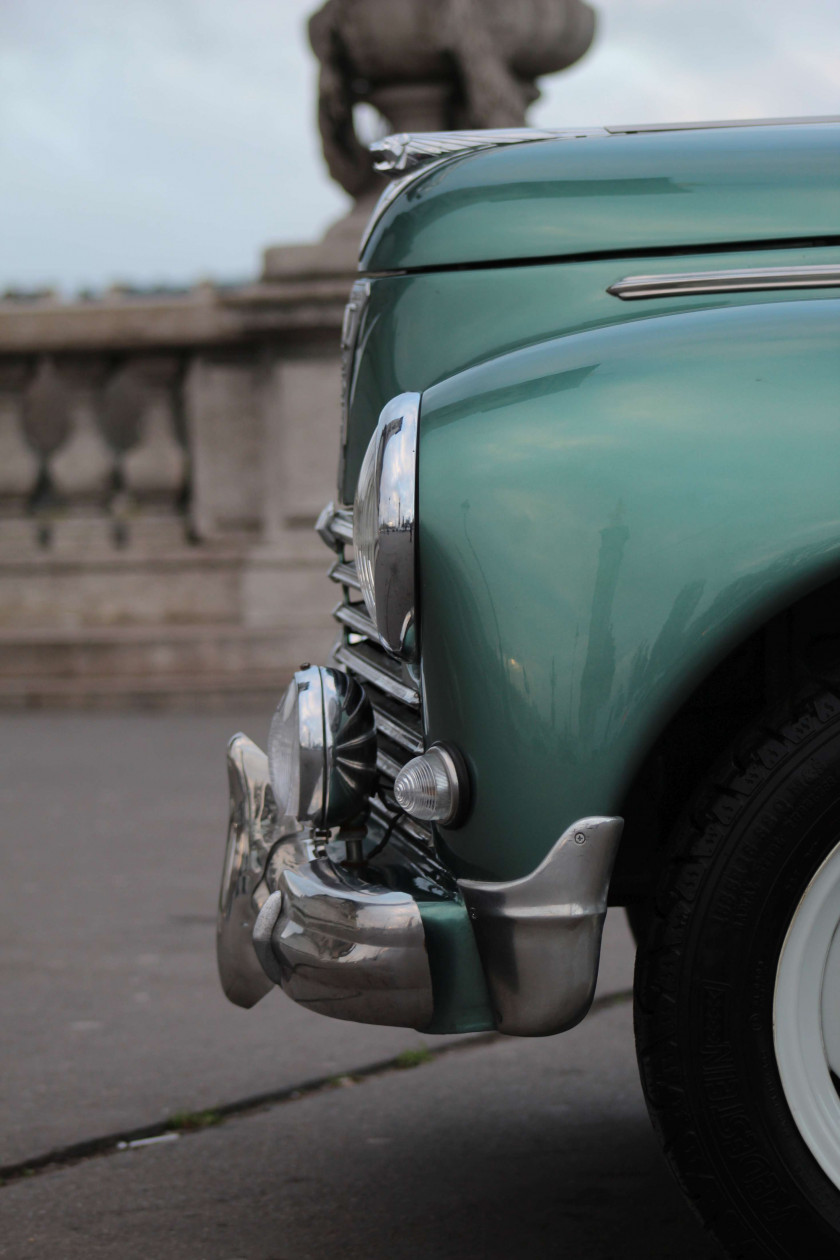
x=586, y=551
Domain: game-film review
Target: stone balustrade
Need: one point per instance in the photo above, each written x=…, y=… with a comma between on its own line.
x=163, y=458
x=94, y=438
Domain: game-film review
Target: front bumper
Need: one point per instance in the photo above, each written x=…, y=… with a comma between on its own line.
x=391, y=937
x=293, y=916
x=386, y=941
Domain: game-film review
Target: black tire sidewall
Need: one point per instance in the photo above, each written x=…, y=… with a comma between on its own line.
x=705, y=989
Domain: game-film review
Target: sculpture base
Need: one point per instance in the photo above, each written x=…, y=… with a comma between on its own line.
x=336, y=255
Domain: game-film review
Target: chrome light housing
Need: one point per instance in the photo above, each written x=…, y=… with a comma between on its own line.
x=322, y=748
x=434, y=787
x=384, y=522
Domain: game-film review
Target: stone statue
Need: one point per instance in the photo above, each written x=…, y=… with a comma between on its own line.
x=433, y=65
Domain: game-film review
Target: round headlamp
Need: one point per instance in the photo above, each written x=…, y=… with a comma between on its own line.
x=384, y=521
x=322, y=748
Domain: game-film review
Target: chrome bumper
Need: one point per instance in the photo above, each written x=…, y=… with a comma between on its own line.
x=345, y=948
x=292, y=915
x=540, y=937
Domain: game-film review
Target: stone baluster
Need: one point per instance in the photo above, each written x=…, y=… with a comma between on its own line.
x=46, y=418
x=140, y=421
x=19, y=465
x=82, y=469
x=155, y=468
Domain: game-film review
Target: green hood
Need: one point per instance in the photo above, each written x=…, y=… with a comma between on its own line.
x=617, y=192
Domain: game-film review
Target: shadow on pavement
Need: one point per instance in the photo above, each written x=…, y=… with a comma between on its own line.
x=518, y=1149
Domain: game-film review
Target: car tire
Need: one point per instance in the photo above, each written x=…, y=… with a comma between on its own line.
x=733, y=1013
x=637, y=919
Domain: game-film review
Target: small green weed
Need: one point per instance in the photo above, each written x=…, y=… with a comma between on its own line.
x=186, y=1121
x=413, y=1058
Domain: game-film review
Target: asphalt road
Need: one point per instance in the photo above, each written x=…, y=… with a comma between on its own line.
x=113, y=1026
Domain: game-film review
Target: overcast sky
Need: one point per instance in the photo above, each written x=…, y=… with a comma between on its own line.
x=149, y=141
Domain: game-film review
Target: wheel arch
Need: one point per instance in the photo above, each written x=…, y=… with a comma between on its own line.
x=793, y=651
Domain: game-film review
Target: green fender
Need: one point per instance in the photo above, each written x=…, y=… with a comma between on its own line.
x=602, y=516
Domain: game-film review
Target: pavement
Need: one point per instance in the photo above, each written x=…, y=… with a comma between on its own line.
x=269, y=1133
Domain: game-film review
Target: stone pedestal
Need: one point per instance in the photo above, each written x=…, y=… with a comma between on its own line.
x=336, y=256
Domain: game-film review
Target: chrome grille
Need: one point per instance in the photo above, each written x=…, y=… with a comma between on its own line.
x=392, y=694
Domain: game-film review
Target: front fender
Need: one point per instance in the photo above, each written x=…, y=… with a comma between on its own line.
x=601, y=517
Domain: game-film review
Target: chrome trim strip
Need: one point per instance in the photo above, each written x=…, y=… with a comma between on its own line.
x=630, y=129
x=387, y=764
x=344, y=572
x=356, y=619
x=387, y=490
x=539, y=938
x=342, y=524
x=335, y=526
x=353, y=660
x=747, y=279
x=411, y=741
x=354, y=313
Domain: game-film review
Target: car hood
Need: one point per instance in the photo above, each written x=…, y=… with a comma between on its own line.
x=614, y=191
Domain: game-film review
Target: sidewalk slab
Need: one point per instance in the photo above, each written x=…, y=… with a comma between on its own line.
x=536, y=1149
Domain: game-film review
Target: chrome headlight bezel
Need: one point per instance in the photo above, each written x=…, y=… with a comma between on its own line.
x=322, y=748
x=384, y=523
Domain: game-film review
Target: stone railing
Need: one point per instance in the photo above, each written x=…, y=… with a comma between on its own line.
x=163, y=458
x=87, y=437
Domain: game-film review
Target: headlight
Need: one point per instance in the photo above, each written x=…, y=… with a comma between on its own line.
x=322, y=748
x=383, y=521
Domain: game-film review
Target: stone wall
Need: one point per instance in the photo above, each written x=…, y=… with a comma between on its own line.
x=163, y=458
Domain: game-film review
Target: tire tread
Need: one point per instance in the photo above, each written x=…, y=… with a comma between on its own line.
x=729, y=790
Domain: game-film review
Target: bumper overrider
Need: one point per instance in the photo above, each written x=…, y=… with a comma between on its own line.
x=325, y=896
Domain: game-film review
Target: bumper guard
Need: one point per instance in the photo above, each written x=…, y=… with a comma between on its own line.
x=290, y=914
